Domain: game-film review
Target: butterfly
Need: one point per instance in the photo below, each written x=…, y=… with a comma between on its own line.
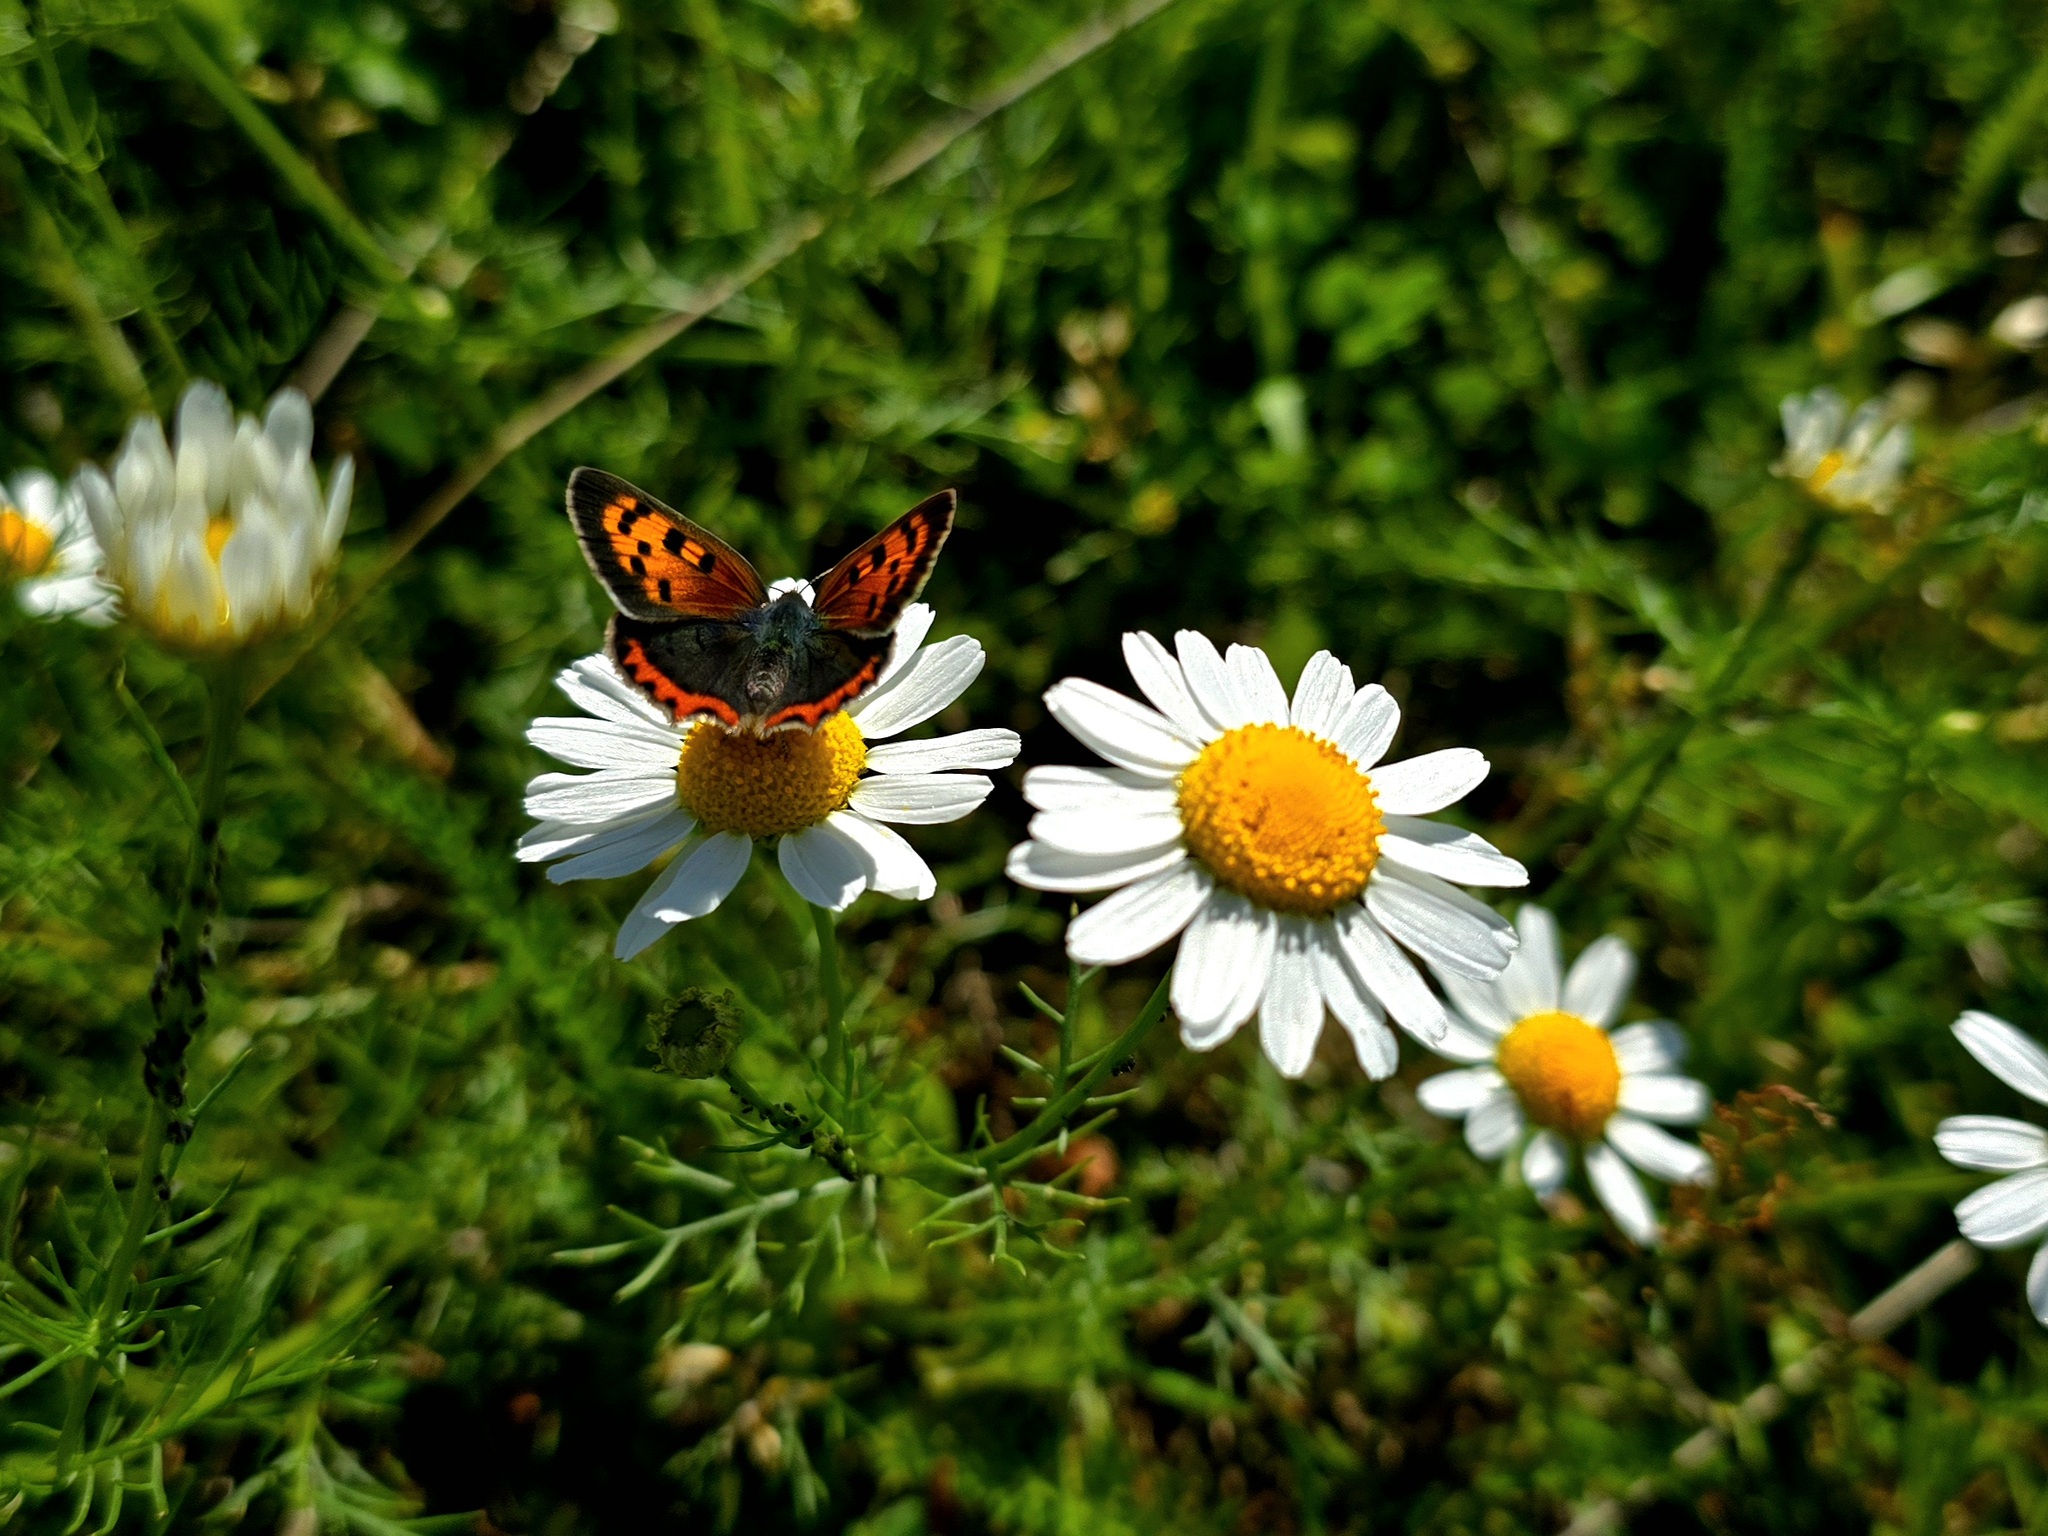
x=701, y=636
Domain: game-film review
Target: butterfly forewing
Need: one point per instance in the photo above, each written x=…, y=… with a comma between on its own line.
x=655, y=562
x=866, y=593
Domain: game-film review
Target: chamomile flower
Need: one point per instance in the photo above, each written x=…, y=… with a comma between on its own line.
x=2012, y=1211
x=1296, y=871
x=48, y=553
x=1853, y=463
x=225, y=537
x=708, y=794
x=1537, y=1051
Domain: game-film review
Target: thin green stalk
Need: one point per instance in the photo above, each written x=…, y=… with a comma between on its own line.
x=1012, y=1153
x=838, y=1049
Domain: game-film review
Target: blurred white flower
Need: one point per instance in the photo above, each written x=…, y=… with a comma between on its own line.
x=2023, y=324
x=1297, y=873
x=1537, y=1049
x=708, y=793
x=48, y=553
x=1853, y=463
x=2012, y=1211
x=227, y=537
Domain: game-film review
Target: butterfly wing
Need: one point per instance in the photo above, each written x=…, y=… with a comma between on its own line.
x=866, y=593
x=654, y=561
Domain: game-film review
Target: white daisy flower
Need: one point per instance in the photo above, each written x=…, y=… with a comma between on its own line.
x=1299, y=868
x=1537, y=1051
x=2013, y=1211
x=227, y=537
x=48, y=552
x=1852, y=463
x=708, y=793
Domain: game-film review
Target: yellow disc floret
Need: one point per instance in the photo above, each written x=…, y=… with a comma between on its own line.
x=1282, y=817
x=1564, y=1071
x=764, y=786
x=25, y=548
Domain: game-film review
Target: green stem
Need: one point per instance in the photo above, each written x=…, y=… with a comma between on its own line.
x=1012, y=1153
x=838, y=1049
x=796, y=1131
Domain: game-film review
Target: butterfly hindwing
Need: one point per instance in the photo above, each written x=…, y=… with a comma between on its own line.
x=866, y=593
x=708, y=669
x=655, y=562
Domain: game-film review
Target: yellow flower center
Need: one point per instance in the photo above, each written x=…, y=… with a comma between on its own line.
x=768, y=785
x=1281, y=817
x=1564, y=1071
x=218, y=531
x=1823, y=472
x=25, y=548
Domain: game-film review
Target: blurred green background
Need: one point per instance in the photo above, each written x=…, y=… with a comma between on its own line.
x=1448, y=336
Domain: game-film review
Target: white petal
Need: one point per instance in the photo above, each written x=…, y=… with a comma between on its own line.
x=1160, y=679
x=911, y=631
x=699, y=879
x=1656, y=1045
x=1389, y=975
x=1456, y=1094
x=1291, y=1011
x=1991, y=1142
x=2011, y=1055
x=1368, y=726
x=1354, y=1007
x=288, y=423
x=1657, y=1152
x=1429, y=782
x=597, y=796
x=593, y=685
x=1622, y=1193
x=1449, y=929
x=1599, y=981
x=1140, y=917
x=1096, y=789
x=1545, y=1162
x=1449, y=853
x=604, y=743
x=1664, y=1096
x=1227, y=948
x=2008, y=1213
x=938, y=754
x=2037, y=1284
x=1251, y=669
x=1209, y=680
x=1480, y=1002
x=931, y=680
x=1123, y=731
x=1321, y=695
x=894, y=867
x=824, y=866
x=1493, y=1124
x=1530, y=984
x=1045, y=868
x=1099, y=833
x=623, y=850
x=919, y=798
x=1463, y=1043
x=335, y=522
x=555, y=839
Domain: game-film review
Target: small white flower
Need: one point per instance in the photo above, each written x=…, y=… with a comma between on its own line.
x=1852, y=463
x=226, y=538
x=1537, y=1050
x=48, y=552
x=2013, y=1211
x=1265, y=834
x=709, y=793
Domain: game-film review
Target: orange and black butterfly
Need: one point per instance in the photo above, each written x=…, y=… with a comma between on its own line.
x=698, y=633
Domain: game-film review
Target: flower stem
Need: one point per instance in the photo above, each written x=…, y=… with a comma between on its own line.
x=1013, y=1152
x=838, y=1049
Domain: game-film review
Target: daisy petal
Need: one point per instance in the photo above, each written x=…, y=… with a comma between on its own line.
x=1389, y=975
x=1463, y=1043
x=1599, y=980
x=911, y=631
x=1209, y=680
x=824, y=866
x=598, y=796
x=1354, y=1007
x=919, y=798
x=1545, y=1162
x=1657, y=1152
x=1529, y=984
x=1140, y=917
x=1251, y=669
x=622, y=852
x=2006, y=1214
x=1480, y=1003
x=1127, y=733
x=1098, y=832
x=1449, y=929
x=2016, y=1060
x=594, y=686
x=604, y=743
x=1429, y=782
x=1456, y=1094
x=1991, y=1142
x=699, y=879
x=2037, y=1284
x=929, y=681
x=1666, y=1097
x=1656, y=1045
x=894, y=867
x=1291, y=1012
x=1159, y=678
x=1321, y=695
x=1226, y=950
x=1045, y=868
x=1368, y=725
x=1090, y=789
x=938, y=754
x=1622, y=1193
x=1449, y=853
x=1493, y=1124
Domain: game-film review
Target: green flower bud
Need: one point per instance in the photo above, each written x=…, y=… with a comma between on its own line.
x=695, y=1032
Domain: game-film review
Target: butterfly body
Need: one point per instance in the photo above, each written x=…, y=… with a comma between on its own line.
x=699, y=634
